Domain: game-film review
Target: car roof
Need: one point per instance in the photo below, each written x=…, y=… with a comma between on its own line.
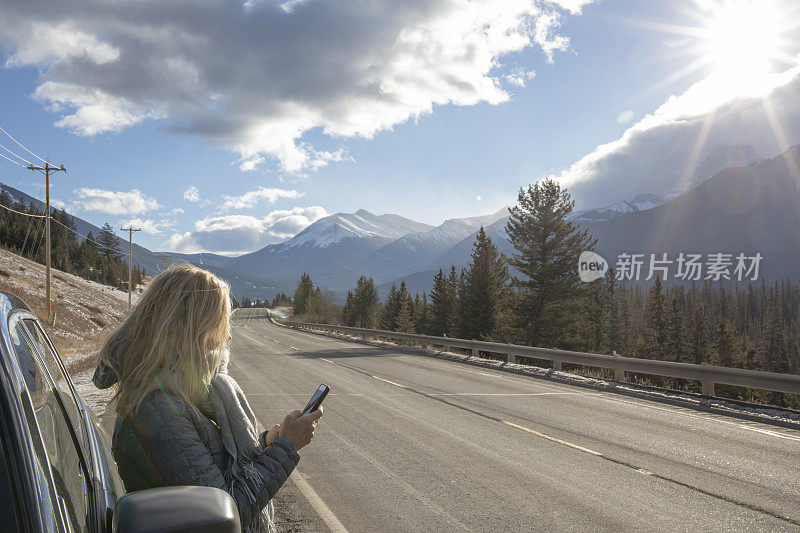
x=9, y=303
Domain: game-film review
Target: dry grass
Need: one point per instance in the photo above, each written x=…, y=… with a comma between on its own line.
x=85, y=312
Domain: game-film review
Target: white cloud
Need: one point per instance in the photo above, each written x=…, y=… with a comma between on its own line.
x=42, y=44
x=667, y=147
x=191, y=194
x=177, y=211
x=95, y=111
x=237, y=234
x=58, y=204
x=519, y=77
x=257, y=76
x=251, y=198
x=149, y=226
x=113, y=202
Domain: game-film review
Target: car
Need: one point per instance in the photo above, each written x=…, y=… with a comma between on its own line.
x=58, y=473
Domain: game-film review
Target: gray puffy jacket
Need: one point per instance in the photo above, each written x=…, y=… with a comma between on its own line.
x=166, y=443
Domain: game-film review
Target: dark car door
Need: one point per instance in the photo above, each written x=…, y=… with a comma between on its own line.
x=56, y=421
x=105, y=485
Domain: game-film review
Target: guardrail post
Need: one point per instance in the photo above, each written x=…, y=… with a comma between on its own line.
x=476, y=352
x=557, y=366
x=708, y=386
x=619, y=373
x=511, y=358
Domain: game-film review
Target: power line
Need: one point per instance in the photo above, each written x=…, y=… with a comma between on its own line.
x=14, y=154
x=84, y=236
x=18, y=164
x=23, y=147
x=21, y=213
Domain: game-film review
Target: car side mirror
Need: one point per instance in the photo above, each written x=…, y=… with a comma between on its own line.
x=177, y=509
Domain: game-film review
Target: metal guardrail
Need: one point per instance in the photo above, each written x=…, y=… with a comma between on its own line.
x=708, y=375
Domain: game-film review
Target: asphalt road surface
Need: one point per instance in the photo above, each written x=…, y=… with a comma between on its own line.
x=414, y=443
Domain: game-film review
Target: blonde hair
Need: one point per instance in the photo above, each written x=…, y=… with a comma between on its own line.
x=175, y=338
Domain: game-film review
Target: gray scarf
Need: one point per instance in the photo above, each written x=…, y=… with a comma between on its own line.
x=238, y=426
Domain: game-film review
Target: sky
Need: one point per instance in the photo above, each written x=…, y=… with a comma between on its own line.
x=224, y=126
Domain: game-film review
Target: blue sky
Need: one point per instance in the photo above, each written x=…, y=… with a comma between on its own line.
x=458, y=160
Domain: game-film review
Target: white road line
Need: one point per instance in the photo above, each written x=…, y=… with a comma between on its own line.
x=771, y=433
x=316, y=502
x=505, y=393
x=553, y=439
x=390, y=382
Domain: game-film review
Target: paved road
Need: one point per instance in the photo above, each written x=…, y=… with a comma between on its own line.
x=414, y=443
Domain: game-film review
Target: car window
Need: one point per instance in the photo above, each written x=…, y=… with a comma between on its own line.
x=61, y=382
x=28, y=366
x=55, y=429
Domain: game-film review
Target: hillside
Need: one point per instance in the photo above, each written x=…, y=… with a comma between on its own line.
x=86, y=312
x=142, y=257
x=753, y=209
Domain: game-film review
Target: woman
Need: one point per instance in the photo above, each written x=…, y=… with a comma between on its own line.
x=181, y=419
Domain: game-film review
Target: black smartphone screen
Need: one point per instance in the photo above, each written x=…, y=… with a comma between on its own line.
x=316, y=399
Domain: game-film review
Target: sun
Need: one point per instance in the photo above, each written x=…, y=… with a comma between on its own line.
x=742, y=39
x=733, y=42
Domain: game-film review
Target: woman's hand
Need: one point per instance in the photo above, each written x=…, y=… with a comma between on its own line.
x=298, y=428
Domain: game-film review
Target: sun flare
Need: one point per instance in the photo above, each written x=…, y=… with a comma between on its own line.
x=743, y=39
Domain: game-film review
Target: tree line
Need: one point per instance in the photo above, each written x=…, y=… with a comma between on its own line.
x=96, y=259
x=534, y=297
x=280, y=300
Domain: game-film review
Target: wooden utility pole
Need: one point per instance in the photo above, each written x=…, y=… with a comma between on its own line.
x=163, y=261
x=130, y=231
x=47, y=170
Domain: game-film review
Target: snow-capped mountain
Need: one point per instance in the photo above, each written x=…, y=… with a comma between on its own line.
x=641, y=202
x=361, y=224
x=416, y=249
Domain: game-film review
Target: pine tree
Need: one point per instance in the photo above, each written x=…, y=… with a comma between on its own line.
x=442, y=304
x=422, y=318
x=725, y=347
x=366, y=304
x=303, y=296
x=455, y=284
x=108, y=242
x=547, y=247
x=698, y=336
x=676, y=336
x=391, y=309
x=348, y=312
x=405, y=321
x=655, y=335
x=614, y=332
x=484, y=292
x=626, y=328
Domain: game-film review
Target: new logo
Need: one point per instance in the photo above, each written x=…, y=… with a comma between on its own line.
x=591, y=266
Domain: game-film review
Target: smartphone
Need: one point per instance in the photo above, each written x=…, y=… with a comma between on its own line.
x=316, y=399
